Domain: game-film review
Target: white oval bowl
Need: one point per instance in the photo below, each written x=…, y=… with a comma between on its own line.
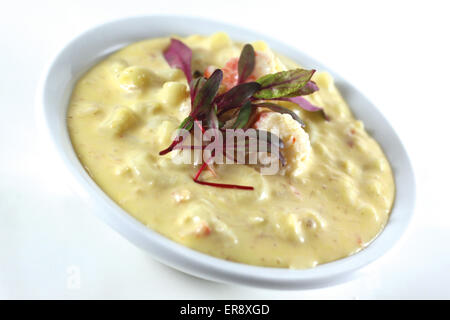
x=89, y=48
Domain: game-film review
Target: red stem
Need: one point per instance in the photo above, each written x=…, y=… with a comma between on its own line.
x=217, y=185
x=200, y=171
x=172, y=145
x=204, y=165
x=199, y=125
x=224, y=185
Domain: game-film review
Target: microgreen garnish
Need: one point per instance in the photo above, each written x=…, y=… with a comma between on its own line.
x=243, y=116
x=236, y=96
x=178, y=55
x=246, y=63
x=205, y=95
x=277, y=108
x=282, y=84
x=306, y=105
x=237, y=108
x=308, y=88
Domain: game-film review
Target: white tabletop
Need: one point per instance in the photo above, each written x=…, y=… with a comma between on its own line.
x=397, y=53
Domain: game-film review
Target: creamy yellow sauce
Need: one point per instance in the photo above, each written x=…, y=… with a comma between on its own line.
x=124, y=111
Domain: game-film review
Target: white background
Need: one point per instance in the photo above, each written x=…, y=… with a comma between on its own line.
x=396, y=52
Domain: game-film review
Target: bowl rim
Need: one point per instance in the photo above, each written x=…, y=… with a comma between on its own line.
x=188, y=260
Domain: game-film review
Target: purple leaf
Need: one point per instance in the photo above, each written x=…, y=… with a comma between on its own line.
x=246, y=63
x=195, y=86
x=236, y=96
x=205, y=95
x=306, y=105
x=277, y=108
x=178, y=55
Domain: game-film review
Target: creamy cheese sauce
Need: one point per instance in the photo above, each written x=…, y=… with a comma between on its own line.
x=124, y=111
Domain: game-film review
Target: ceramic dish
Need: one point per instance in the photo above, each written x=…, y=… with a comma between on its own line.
x=89, y=48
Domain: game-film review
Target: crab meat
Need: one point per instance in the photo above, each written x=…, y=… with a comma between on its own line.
x=297, y=147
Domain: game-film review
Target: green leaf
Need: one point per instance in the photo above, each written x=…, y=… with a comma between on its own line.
x=187, y=123
x=281, y=84
x=246, y=63
x=308, y=88
x=277, y=108
x=243, y=116
x=205, y=95
x=195, y=86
